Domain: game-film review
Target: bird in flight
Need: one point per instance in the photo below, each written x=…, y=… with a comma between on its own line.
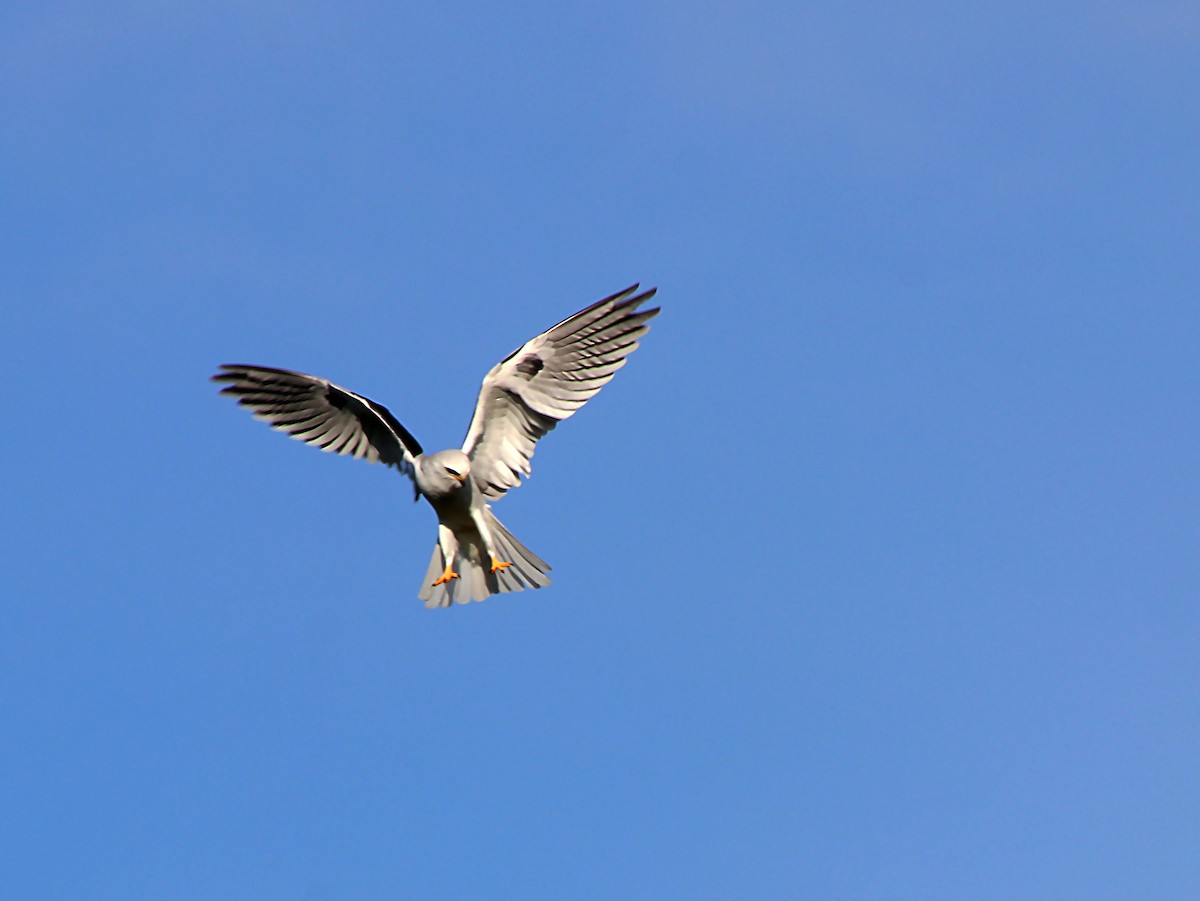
x=534, y=388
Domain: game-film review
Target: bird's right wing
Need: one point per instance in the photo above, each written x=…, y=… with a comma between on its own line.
x=321, y=413
x=546, y=380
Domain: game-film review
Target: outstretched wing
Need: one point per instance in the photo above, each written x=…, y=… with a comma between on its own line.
x=545, y=381
x=321, y=413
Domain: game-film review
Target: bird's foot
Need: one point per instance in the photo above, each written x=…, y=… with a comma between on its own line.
x=447, y=575
x=497, y=565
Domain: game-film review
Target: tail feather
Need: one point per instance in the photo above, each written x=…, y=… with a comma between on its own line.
x=476, y=581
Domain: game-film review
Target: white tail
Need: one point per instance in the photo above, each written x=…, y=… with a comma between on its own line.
x=476, y=581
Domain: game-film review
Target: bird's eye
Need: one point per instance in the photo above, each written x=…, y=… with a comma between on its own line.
x=453, y=472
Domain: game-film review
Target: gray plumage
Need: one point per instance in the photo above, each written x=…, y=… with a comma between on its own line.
x=522, y=398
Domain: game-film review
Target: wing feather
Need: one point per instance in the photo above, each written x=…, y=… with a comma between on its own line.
x=546, y=380
x=325, y=415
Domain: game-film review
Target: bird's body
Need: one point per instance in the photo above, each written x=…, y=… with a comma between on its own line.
x=522, y=398
x=489, y=559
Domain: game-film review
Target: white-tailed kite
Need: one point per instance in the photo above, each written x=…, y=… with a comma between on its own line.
x=538, y=385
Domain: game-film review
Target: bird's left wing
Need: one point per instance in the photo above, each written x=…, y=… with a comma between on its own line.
x=323, y=414
x=545, y=381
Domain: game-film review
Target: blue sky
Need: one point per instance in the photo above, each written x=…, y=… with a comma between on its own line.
x=875, y=570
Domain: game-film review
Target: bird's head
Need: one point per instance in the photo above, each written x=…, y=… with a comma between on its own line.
x=455, y=464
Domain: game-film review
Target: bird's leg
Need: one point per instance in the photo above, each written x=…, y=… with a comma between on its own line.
x=449, y=546
x=446, y=576
x=486, y=534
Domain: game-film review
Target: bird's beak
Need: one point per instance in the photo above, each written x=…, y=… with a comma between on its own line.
x=461, y=478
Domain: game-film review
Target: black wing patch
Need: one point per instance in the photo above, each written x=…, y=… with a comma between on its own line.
x=531, y=366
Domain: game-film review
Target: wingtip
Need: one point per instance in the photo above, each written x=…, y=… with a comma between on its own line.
x=619, y=296
x=636, y=301
x=228, y=371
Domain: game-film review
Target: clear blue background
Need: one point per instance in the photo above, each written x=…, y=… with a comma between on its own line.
x=875, y=570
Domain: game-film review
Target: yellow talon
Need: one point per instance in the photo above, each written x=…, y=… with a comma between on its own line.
x=497, y=565
x=448, y=575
